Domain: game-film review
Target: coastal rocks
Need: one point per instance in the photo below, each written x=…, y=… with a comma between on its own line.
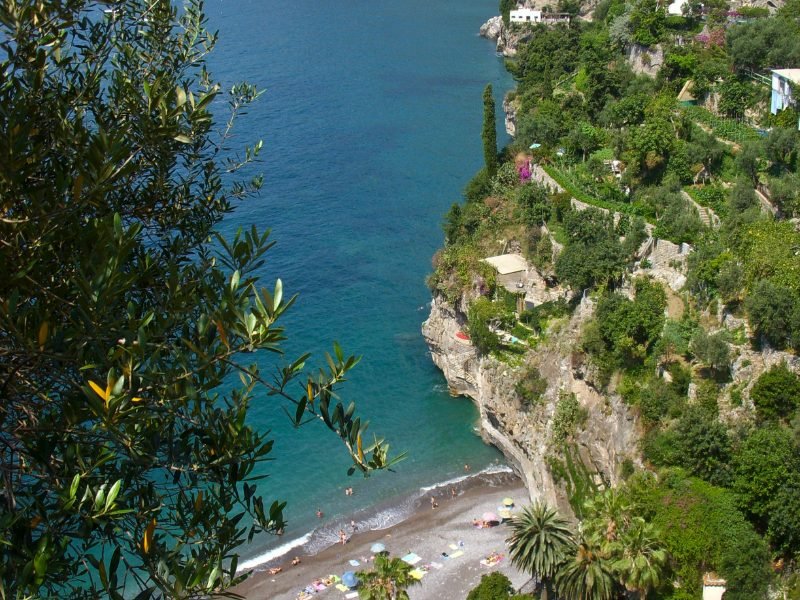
x=510, y=107
x=508, y=38
x=492, y=28
x=524, y=433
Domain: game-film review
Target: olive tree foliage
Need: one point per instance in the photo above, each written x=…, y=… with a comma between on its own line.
x=124, y=465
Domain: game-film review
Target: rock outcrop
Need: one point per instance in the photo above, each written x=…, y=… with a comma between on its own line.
x=525, y=434
x=510, y=109
x=645, y=60
x=492, y=28
x=508, y=38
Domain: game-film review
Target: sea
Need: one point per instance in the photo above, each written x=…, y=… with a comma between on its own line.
x=370, y=120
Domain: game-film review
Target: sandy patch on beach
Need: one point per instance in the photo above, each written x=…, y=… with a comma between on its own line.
x=429, y=534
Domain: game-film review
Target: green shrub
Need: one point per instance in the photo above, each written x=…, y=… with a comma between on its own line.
x=703, y=530
x=568, y=417
x=482, y=313
x=538, y=316
x=478, y=187
x=495, y=586
x=712, y=350
x=776, y=394
x=531, y=386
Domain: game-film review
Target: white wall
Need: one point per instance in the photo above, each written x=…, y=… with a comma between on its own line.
x=526, y=15
x=676, y=8
x=781, y=94
x=713, y=592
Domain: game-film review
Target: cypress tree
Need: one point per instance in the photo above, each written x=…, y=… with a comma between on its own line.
x=489, y=133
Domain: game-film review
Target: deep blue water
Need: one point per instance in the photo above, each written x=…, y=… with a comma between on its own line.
x=371, y=122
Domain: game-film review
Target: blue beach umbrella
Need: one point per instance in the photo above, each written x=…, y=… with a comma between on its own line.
x=377, y=547
x=349, y=579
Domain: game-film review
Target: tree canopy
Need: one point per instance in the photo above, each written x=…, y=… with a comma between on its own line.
x=122, y=312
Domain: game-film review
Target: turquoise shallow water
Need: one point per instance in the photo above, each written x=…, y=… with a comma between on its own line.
x=371, y=125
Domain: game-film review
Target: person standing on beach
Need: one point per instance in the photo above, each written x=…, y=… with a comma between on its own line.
x=342, y=537
x=433, y=503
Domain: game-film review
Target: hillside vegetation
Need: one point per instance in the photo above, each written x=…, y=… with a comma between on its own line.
x=690, y=156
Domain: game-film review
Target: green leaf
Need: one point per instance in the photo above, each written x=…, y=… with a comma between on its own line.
x=112, y=494
x=278, y=294
x=301, y=408
x=212, y=578
x=180, y=96
x=183, y=139
x=73, y=488
x=235, y=280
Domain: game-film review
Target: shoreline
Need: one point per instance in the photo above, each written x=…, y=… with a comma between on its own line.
x=427, y=532
x=375, y=517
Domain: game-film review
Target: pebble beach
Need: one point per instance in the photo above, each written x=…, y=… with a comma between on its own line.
x=448, y=551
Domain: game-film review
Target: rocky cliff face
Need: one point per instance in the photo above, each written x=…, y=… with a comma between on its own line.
x=508, y=39
x=644, y=60
x=525, y=435
x=510, y=107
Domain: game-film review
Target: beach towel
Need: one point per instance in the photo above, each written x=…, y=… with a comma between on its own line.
x=457, y=554
x=411, y=558
x=417, y=574
x=437, y=565
x=453, y=547
x=342, y=588
x=492, y=560
x=304, y=596
x=351, y=595
x=354, y=563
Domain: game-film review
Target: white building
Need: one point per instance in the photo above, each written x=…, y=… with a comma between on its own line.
x=512, y=271
x=676, y=8
x=526, y=15
x=713, y=587
x=782, y=81
x=529, y=15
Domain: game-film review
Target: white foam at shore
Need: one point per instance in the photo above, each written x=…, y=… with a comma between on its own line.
x=490, y=470
x=323, y=537
x=274, y=553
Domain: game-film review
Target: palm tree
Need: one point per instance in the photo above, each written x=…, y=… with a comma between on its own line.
x=588, y=576
x=639, y=558
x=387, y=580
x=540, y=541
x=607, y=515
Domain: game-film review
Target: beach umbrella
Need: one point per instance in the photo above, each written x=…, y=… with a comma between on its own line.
x=508, y=502
x=490, y=517
x=377, y=548
x=349, y=579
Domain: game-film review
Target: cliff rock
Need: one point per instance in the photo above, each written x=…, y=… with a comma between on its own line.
x=492, y=28
x=510, y=109
x=525, y=434
x=508, y=38
x=645, y=60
